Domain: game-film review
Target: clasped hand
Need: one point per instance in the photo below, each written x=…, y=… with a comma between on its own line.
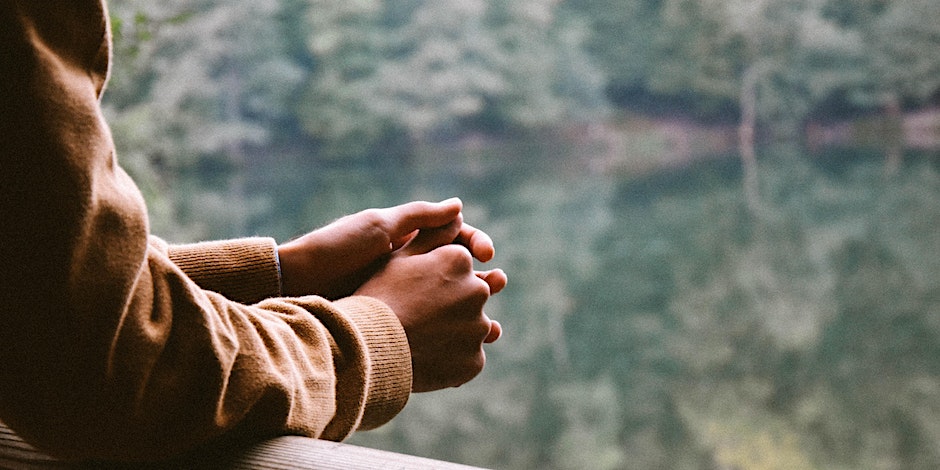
x=418, y=259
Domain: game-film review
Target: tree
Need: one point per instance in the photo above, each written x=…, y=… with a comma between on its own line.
x=346, y=41
x=903, y=33
x=420, y=67
x=196, y=87
x=622, y=41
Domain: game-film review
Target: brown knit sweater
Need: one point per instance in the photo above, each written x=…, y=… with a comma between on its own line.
x=114, y=345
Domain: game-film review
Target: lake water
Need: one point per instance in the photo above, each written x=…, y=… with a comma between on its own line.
x=658, y=320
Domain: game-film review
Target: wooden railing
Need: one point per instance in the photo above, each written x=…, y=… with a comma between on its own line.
x=288, y=453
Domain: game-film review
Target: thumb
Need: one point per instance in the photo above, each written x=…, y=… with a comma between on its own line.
x=405, y=220
x=430, y=239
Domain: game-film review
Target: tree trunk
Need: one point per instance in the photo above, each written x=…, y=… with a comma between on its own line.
x=746, y=131
x=894, y=134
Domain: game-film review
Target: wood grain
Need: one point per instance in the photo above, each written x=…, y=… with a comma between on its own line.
x=282, y=453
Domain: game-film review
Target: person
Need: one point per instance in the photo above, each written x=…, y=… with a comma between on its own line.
x=115, y=345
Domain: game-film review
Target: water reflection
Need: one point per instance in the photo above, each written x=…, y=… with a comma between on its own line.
x=654, y=321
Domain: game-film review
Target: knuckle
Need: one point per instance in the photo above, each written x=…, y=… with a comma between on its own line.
x=475, y=330
x=470, y=298
x=374, y=217
x=476, y=292
x=482, y=288
x=375, y=223
x=458, y=257
x=482, y=329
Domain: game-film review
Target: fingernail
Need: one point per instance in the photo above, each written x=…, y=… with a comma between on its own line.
x=451, y=200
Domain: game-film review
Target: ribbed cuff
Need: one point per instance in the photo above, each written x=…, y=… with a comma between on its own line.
x=389, y=383
x=244, y=270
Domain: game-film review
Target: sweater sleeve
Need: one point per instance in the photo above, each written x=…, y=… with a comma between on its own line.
x=244, y=270
x=108, y=349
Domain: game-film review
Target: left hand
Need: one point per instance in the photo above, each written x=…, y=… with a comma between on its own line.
x=335, y=260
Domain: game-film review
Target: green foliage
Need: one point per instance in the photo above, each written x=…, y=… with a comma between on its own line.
x=807, y=51
x=372, y=80
x=195, y=89
x=901, y=34
x=425, y=66
x=622, y=38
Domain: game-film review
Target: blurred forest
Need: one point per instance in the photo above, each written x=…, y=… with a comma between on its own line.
x=719, y=217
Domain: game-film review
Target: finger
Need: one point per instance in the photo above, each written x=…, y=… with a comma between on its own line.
x=428, y=240
x=477, y=241
x=496, y=330
x=402, y=241
x=405, y=219
x=496, y=279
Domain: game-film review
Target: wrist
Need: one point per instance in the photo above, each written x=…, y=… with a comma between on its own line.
x=291, y=260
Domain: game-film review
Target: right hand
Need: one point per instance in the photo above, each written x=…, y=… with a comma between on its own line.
x=432, y=287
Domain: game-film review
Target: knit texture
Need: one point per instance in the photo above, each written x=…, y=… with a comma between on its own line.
x=117, y=346
x=243, y=270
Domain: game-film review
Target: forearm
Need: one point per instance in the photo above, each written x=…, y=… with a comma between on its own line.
x=196, y=366
x=211, y=366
